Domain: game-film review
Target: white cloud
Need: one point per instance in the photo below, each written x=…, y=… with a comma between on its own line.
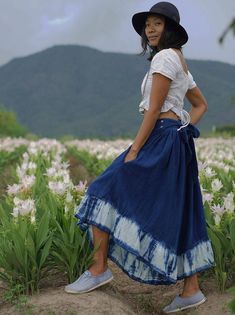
x=59, y=20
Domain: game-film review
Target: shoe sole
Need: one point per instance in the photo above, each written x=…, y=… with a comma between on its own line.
x=93, y=288
x=186, y=307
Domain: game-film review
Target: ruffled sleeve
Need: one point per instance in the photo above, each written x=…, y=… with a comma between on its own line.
x=163, y=62
x=191, y=83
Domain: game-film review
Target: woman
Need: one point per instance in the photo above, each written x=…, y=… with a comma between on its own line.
x=145, y=211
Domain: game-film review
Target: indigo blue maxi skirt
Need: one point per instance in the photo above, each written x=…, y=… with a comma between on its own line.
x=152, y=208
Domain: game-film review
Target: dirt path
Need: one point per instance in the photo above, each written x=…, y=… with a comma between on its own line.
x=122, y=296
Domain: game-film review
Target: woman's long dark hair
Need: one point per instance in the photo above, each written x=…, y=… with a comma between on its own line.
x=169, y=39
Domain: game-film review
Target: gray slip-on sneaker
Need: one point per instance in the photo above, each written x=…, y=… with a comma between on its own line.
x=87, y=282
x=182, y=303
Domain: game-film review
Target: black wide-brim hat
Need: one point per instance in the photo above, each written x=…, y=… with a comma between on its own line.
x=166, y=9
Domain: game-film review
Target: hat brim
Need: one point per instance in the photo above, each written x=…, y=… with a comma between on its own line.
x=138, y=22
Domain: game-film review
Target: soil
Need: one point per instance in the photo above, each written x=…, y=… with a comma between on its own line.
x=122, y=296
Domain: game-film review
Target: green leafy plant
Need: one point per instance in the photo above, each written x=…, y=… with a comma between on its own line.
x=24, y=250
x=220, y=217
x=223, y=242
x=71, y=253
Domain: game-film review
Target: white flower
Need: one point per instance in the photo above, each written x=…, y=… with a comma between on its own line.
x=216, y=184
x=218, y=211
x=32, y=166
x=58, y=187
x=226, y=168
x=23, y=207
x=15, y=212
x=57, y=160
x=33, y=150
x=66, y=178
x=27, y=206
x=51, y=172
x=69, y=197
x=70, y=185
x=55, y=164
x=25, y=156
x=28, y=181
x=17, y=201
x=207, y=197
x=20, y=171
x=209, y=172
x=81, y=187
x=217, y=219
x=65, y=165
x=24, y=166
x=229, y=203
x=201, y=166
x=13, y=189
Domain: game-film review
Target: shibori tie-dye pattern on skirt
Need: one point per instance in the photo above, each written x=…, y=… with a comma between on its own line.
x=152, y=207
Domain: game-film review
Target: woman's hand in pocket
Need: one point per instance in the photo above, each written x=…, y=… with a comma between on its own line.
x=131, y=155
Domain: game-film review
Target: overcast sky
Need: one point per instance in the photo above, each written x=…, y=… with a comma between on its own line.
x=29, y=26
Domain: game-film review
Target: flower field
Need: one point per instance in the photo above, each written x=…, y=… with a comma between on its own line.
x=38, y=198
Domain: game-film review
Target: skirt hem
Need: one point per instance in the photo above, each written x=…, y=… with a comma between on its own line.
x=129, y=254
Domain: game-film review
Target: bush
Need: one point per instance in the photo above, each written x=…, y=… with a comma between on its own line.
x=9, y=126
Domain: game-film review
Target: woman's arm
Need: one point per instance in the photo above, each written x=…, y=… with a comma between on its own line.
x=199, y=104
x=159, y=90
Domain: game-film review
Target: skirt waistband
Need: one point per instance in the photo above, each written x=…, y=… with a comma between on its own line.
x=163, y=123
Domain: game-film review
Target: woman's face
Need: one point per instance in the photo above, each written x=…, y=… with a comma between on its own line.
x=154, y=26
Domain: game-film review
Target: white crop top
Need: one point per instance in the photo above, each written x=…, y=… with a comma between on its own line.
x=167, y=62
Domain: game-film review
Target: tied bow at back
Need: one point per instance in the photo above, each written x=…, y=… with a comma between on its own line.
x=187, y=134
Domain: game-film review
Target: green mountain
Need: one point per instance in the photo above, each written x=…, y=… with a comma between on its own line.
x=71, y=89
